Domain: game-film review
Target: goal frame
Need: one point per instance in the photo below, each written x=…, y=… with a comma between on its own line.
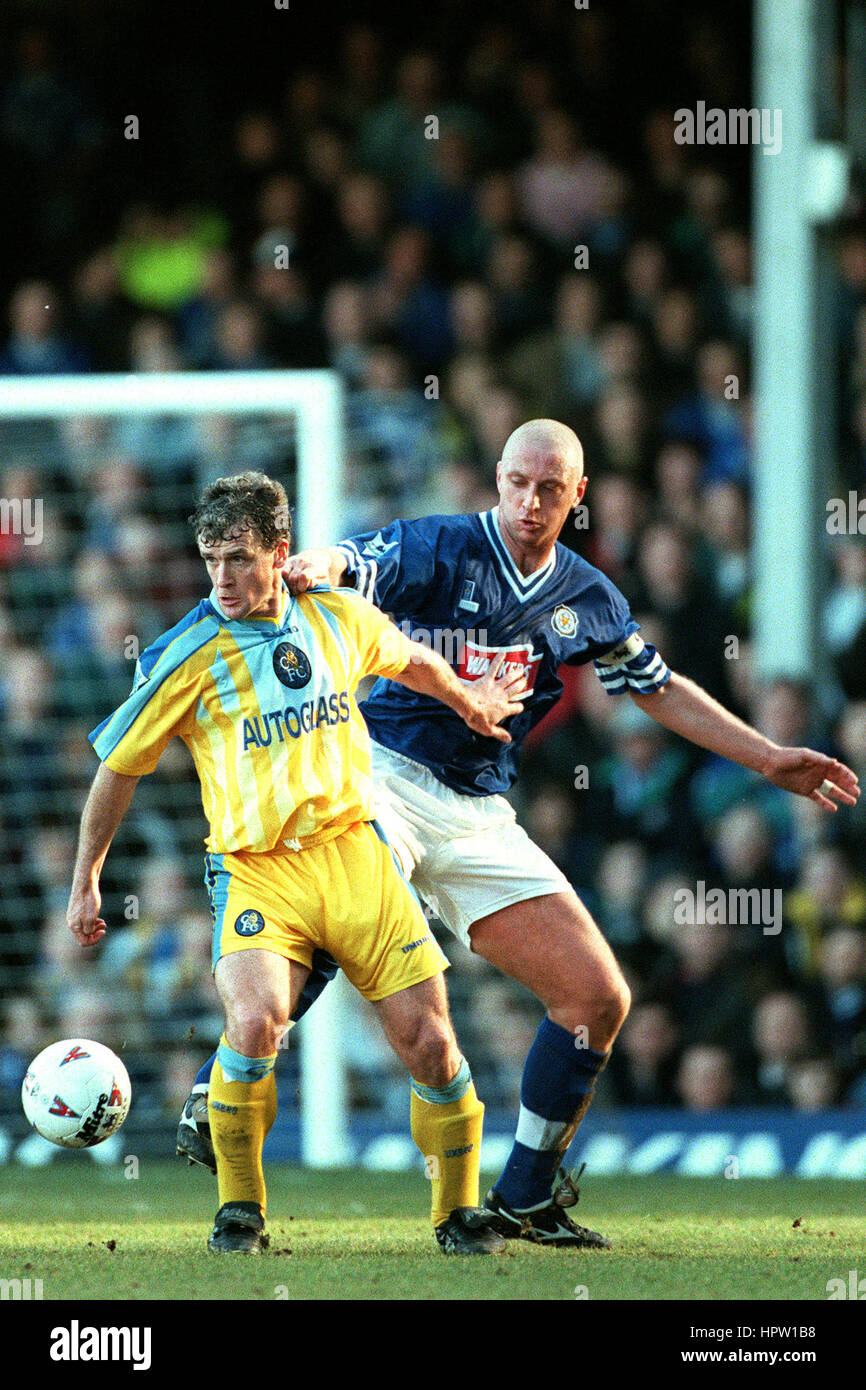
x=316, y=399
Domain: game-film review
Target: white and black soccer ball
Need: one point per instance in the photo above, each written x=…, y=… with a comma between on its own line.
x=76, y=1093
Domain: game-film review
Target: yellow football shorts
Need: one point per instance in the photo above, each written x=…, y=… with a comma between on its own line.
x=346, y=896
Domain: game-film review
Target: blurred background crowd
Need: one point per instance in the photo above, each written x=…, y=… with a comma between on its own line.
x=475, y=218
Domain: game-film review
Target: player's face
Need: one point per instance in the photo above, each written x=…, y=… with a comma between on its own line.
x=246, y=577
x=537, y=489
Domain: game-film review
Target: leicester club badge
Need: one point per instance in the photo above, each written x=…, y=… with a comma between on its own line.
x=564, y=621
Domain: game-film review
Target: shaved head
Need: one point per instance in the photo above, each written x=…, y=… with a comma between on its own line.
x=545, y=438
x=540, y=479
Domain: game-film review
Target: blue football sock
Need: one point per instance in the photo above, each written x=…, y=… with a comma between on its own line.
x=558, y=1079
x=203, y=1076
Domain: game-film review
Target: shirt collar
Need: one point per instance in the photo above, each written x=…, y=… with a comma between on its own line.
x=524, y=586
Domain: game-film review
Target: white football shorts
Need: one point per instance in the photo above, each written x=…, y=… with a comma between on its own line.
x=465, y=855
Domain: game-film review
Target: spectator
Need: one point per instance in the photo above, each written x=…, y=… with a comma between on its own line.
x=291, y=332
x=36, y=344
x=622, y=875
x=397, y=422
x=560, y=369
x=813, y=1085
x=696, y=623
x=842, y=974
x=100, y=317
x=282, y=214
x=677, y=478
x=563, y=186
x=392, y=138
x=725, y=526
x=827, y=895
x=617, y=516
x=782, y=1038
x=409, y=301
x=642, y=1070
x=851, y=738
x=845, y=607
x=515, y=279
x=713, y=415
x=639, y=788
x=645, y=274
x=357, y=245
x=197, y=317
x=239, y=340
x=622, y=431
x=444, y=204
x=161, y=256
x=702, y=983
x=677, y=329
x=346, y=320
x=706, y=1079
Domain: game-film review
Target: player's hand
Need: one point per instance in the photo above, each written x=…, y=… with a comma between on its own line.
x=307, y=570
x=823, y=780
x=82, y=915
x=498, y=695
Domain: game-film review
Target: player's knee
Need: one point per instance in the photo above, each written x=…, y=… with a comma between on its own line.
x=599, y=1009
x=614, y=1004
x=254, y=1027
x=431, y=1053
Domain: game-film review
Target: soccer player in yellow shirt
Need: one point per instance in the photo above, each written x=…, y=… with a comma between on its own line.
x=260, y=687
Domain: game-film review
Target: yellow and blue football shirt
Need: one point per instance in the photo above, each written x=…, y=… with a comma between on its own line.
x=266, y=707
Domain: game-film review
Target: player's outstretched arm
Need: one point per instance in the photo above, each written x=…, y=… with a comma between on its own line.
x=686, y=709
x=310, y=568
x=106, y=805
x=482, y=705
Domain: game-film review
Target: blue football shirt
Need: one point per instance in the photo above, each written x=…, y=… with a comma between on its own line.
x=451, y=583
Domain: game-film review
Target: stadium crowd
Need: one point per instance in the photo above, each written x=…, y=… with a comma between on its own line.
x=472, y=236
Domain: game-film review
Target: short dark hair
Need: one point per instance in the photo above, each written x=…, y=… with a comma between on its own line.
x=243, y=502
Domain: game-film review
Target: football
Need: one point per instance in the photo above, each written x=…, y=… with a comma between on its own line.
x=76, y=1093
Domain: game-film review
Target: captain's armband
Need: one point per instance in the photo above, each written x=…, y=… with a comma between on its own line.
x=634, y=665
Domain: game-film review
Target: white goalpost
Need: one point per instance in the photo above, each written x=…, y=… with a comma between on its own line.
x=315, y=399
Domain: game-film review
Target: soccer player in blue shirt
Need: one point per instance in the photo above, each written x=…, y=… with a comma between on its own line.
x=495, y=584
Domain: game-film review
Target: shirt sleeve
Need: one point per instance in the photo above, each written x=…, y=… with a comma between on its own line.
x=383, y=649
x=632, y=665
x=394, y=567
x=132, y=740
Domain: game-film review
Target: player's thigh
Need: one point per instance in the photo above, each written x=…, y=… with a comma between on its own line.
x=552, y=945
x=487, y=862
x=258, y=986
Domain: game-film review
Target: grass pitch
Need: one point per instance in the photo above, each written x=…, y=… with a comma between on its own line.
x=91, y=1233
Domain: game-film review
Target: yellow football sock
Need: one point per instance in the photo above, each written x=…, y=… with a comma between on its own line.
x=241, y=1114
x=448, y=1133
